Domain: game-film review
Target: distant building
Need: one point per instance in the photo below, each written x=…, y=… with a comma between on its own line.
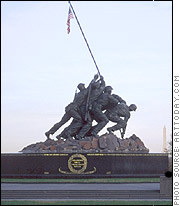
x=164, y=140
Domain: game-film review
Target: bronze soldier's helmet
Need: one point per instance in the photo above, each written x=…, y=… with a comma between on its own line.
x=108, y=89
x=81, y=86
x=132, y=107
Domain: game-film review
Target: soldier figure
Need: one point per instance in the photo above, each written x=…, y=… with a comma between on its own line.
x=73, y=109
x=114, y=114
x=80, y=130
x=96, y=90
x=104, y=101
x=89, y=104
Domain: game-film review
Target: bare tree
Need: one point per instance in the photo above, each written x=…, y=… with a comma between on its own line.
x=169, y=151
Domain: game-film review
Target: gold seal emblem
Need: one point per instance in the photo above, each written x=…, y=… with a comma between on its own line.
x=77, y=163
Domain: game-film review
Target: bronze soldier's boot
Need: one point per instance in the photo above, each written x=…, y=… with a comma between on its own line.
x=58, y=137
x=47, y=134
x=110, y=130
x=114, y=128
x=94, y=134
x=78, y=137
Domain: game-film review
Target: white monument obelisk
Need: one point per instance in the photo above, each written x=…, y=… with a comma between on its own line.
x=164, y=140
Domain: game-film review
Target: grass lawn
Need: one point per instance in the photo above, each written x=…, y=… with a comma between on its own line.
x=86, y=202
x=93, y=180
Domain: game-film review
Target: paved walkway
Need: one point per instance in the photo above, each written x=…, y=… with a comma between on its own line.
x=67, y=186
x=88, y=191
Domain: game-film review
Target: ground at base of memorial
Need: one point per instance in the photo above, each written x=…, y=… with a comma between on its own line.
x=86, y=202
x=90, y=180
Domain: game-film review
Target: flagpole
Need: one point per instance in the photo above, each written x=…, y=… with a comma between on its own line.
x=84, y=38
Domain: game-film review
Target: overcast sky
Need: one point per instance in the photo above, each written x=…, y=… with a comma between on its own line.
x=42, y=65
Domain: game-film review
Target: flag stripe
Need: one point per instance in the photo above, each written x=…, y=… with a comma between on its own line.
x=70, y=16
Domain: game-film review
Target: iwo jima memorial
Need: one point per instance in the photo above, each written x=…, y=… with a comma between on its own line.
x=79, y=151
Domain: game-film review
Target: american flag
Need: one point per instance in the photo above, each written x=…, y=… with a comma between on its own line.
x=70, y=16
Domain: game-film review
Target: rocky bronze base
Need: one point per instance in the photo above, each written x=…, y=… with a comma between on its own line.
x=105, y=143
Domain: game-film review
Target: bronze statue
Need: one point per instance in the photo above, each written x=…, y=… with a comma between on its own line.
x=105, y=100
x=114, y=114
x=73, y=110
x=80, y=130
x=96, y=91
x=93, y=103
